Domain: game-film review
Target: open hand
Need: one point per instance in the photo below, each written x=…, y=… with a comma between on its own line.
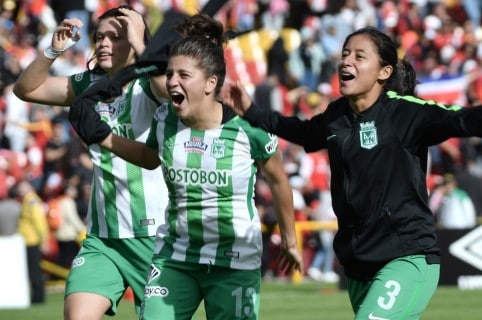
x=290, y=259
x=236, y=97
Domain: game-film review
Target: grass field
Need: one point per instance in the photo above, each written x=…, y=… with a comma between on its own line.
x=284, y=301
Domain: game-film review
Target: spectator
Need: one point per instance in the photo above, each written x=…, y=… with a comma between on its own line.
x=17, y=112
x=55, y=162
x=69, y=227
x=34, y=168
x=10, y=210
x=274, y=17
x=40, y=126
x=33, y=227
x=473, y=8
x=323, y=263
x=456, y=210
x=311, y=58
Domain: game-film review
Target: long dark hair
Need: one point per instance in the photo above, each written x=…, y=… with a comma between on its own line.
x=403, y=78
x=115, y=12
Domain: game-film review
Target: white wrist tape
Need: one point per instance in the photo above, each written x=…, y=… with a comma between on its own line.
x=53, y=54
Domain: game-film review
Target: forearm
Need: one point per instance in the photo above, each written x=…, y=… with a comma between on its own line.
x=291, y=129
x=283, y=205
x=32, y=77
x=132, y=151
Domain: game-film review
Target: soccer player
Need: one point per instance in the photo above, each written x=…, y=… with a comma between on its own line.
x=210, y=248
x=127, y=202
x=377, y=142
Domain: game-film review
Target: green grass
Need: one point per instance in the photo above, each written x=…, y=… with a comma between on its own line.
x=283, y=301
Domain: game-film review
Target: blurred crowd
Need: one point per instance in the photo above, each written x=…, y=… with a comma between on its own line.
x=441, y=38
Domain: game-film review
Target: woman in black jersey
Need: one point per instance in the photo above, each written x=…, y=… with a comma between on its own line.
x=378, y=142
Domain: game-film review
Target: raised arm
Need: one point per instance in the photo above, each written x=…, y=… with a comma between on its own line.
x=34, y=83
x=307, y=133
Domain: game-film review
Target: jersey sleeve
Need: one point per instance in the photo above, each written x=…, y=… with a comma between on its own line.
x=432, y=122
x=80, y=81
x=263, y=144
x=162, y=113
x=151, y=141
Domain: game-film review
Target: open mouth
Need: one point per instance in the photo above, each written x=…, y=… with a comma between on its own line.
x=103, y=55
x=177, y=98
x=346, y=76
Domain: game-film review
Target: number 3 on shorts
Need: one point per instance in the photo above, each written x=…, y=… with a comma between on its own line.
x=392, y=293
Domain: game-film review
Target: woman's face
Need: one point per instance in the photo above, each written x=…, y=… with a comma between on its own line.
x=187, y=85
x=359, y=70
x=112, y=48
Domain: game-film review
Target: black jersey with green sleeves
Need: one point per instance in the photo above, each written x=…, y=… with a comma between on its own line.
x=378, y=161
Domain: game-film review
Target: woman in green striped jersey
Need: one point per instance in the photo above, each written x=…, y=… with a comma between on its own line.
x=210, y=248
x=127, y=202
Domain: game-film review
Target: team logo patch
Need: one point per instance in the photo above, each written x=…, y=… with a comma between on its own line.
x=77, y=262
x=196, y=145
x=217, y=148
x=153, y=273
x=368, y=135
x=154, y=291
x=120, y=105
x=272, y=145
x=78, y=77
x=162, y=112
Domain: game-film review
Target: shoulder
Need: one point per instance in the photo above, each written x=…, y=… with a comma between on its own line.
x=407, y=100
x=80, y=81
x=163, y=111
x=262, y=143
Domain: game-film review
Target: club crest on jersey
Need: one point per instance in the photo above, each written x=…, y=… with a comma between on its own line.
x=196, y=145
x=217, y=148
x=78, y=77
x=368, y=135
x=161, y=112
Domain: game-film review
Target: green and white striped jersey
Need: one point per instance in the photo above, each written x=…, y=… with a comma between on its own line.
x=126, y=200
x=210, y=175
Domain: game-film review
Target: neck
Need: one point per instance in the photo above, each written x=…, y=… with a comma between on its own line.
x=210, y=118
x=361, y=103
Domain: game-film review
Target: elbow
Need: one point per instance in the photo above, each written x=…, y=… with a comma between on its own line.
x=150, y=159
x=20, y=92
x=151, y=163
x=150, y=166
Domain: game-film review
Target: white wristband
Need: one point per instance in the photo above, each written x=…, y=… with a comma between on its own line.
x=53, y=54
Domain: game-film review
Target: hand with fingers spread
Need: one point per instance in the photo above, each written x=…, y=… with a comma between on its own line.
x=236, y=97
x=290, y=258
x=135, y=26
